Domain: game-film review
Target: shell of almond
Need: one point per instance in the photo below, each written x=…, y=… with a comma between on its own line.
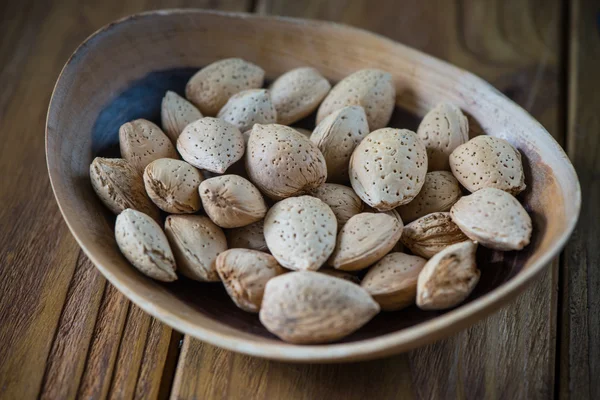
x=337, y=136
x=439, y=193
x=244, y=274
x=448, y=278
x=392, y=282
x=300, y=232
x=142, y=142
x=365, y=239
x=487, y=161
x=232, y=201
x=144, y=244
x=494, y=219
x=431, y=234
x=211, y=144
x=387, y=169
x=297, y=93
x=282, y=162
x=211, y=87
x=340, y=274
x=310, y=307
x=196, y=242
x=248, y=237
x=442, y=130
x=176, y=113
x=247, y=108
x=173, y=185
x=371, y=89
x=341, y=199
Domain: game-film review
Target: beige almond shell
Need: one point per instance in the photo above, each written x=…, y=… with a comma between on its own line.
x=232, y=201
x=392, y=282
x=341, y=199
x=248, y=237
x=297, y=93
x=340, y=274
x=303, y=131
x=142, y=142
x=173, y=185
x=310, y=307
x=145, y=245
x=448, y=278
x=211, y=87
x=211, y=144
x=431, y=234
x=300, y=232
x=247, y=108
x=365, y=239
x=439, y=193
x=371, y=89
x=244, y=274
x=337, y=136
x=282, y=162
x=442, y=130
x=120, y=186
x=176, y=113
x=488, y=161
x=196, y=242
x=494, y=219
x=387, y=169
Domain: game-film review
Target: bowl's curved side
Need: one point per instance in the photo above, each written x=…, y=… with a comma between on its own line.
x=161, y=40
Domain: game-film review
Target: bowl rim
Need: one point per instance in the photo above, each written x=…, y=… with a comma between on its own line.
x=386, y=344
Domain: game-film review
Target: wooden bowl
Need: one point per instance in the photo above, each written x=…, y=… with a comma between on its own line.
x=121, y=73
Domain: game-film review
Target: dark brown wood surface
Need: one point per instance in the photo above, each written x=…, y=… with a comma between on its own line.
x=65, y=332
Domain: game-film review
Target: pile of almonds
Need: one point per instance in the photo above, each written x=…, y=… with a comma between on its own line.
x=303, y=227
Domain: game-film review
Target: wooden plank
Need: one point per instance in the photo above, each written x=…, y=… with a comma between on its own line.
x=154, y=361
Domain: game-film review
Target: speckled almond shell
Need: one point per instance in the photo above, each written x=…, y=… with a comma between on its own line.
x=448, y=278
x=392, y=282
x=300, y=232
x=144, y=244
x=196, y=242
x=337, y=136
x=173, y=185
x=247, y=108
x=232, y=201
x=341, y=199
x=439, y=193
x=494, y=218
x=297, y=93
x=176, y=113
x=487, y=161
x=387, y=169
x=309, y=307
x=248, y=237
x=142, y=142
x=211, y=87
x=211, y=144
x=372, y=89
x=282, y=162
x=442, y=130
x=365, y=239
x=431, y=234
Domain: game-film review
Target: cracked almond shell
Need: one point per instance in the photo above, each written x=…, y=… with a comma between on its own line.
x=176, y=113
x=431, y=234
x=142, y=142
x=247, y=108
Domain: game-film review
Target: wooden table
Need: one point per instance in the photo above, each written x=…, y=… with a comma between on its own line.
x=65, y=332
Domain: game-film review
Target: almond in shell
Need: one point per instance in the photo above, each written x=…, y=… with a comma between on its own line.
x=248, y=237
x=340, y=274
x=247, y=108
x=176, y=113
x=431, y=234
x=341, y=199
x=142, y=142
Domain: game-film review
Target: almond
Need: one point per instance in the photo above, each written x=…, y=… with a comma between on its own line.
x=176, y=113
x=488, y=162
x=248, y=237
x=365, y=239
x=142, y=142
x=297, y=93
x=341, y=199
x=431, y=234
x=196, y=243
x=439, y=193
x=247, y=108
x=387, y=169
x=300, y=232
x=337, y=136
x=493, y=218
x=211, y=87
x=371, y=89
x=310, y=307
x=245, y=273
x=303, y=131
x=283, y=162
x=392, y=282
x=448, y=278
x=144, y=244
x=340, y=274
x=442, y=130
x=232, y=201
x=211, y=144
